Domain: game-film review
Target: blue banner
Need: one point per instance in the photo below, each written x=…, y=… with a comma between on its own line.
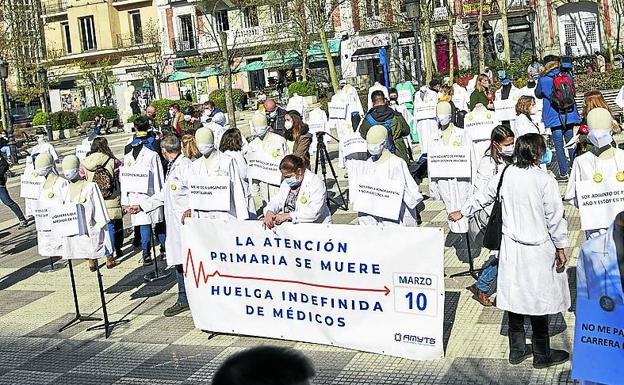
x=383, y=60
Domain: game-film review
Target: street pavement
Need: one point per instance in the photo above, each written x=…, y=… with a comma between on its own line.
x=152, y=349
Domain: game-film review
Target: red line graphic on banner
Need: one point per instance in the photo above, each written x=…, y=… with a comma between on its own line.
x=200, y=275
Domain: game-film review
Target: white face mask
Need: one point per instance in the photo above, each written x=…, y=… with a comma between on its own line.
x=507, y=150
x=205, y=149
x=288, y=124
x=375, y=149
x=43, y=171
x=444, y=119
x=71, y=173
x=600, y=138
x=187, y=118
x=259, y=131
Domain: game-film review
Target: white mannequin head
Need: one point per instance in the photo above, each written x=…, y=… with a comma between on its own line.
x=599, y=123
x=44, y=163
x=205, y=140
x=71, y=167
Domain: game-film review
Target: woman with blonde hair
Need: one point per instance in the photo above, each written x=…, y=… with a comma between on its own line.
x=524, y=124
x=480, y=94
x=189, y=147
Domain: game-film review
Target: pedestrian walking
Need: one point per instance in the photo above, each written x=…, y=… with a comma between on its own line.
x=6, y=198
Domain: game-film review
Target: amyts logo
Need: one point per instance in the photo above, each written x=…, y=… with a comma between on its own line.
x=413, y=339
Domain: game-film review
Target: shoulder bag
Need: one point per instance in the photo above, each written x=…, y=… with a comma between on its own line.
x=494, y=229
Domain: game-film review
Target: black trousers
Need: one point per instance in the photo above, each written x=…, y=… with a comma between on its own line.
x=539, y=323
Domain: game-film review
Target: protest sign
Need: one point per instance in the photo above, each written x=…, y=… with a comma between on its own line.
x=449, y=162
x=30, y=186
x=135, y=179
x=353, y=143
x=209, y=193
x=405, y=96
x=264, y=167
x=42, y=217
x=599, y=203
x=505, y=109
x=349, y=286
x=480, y=127
x=82, y=151
x=377, y=195
x=68, y=220
x=337, y=109
x=425, y=110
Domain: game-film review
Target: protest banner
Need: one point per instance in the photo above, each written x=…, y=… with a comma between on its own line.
x=505, y=109
x=209, y=193
x=349, y=286
x=449, y=162
x=599, y=203
x=425, y=110
x=599, y=331
x=30, y=186
x=480, y=127
x=135, y=179
x=82, y=151
x=264, y=167
x=68, y=220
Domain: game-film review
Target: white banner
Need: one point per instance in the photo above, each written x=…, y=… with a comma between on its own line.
x=209, y=193
x=30, y=186
x=82, y=151
x=42, y=217
x=337, y=110
x=264, y=167
x=425, y=110
x=68, y=220
x=449, y=162
x=377, y=195
x=599, y=203
x=480, y=128
x=405, y=96
x=357, y=287
x=505, y=109
x=353, y=143
x=134, y=179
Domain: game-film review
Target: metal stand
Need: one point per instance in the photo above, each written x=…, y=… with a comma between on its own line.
x=107, y=325
x=471, y=270
x=156, y=275
x=322, y=156
x=53, y=266
x=78, y=318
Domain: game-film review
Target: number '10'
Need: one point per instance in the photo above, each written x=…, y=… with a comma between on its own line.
x=421, y=301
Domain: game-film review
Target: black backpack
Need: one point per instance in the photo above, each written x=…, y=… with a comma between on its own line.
x=105, y=180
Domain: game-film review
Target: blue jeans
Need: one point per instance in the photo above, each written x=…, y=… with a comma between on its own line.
x=181, y=288
x=115, y=230
x=487, y=276
x=7, y=151
x=560, y=137
x=146, y=240
x=10, y=203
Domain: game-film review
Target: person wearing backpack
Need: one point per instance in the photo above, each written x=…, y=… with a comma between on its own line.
x=101, y=167
x=556, y=87
x=381, y=114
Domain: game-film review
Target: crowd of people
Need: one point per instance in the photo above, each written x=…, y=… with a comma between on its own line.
x=529, y=265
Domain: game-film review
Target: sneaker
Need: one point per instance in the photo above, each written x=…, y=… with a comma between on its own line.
x=24, y=223
x=561, y=178
x=163, y=255
x=148, y=262
x=176, y=309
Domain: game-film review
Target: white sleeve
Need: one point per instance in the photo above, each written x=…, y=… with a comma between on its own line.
x=311, y=210
x=553, y=211
x=155, y=201
x=158, y=174
x=570, y=193
x=276, y=203
x=482, y=198
x=412, y=196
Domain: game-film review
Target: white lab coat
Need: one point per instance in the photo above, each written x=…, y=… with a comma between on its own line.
x=41, y=148
x=454, y=192
x=539, y=107
x=480, y=113
x=472, y=84
x=50, y=245
x=217, y=131
x=353, y=100
x=96, y=241
x=299, y=104
x=523, y=125
x=376, y=87
x=461, y=97
x=311, y=203
x=241, y=165
x=427, y=128
x=174, y=197
x=317, y=121
x=533, y=225
x=222, y=165
x=147, y=158
x=270, y=144
x=394, y=168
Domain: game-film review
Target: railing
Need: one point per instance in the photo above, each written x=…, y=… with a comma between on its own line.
x=470, y=8
x=182, y=45
x=440, y=14
x=129, y=40
x=54, y=6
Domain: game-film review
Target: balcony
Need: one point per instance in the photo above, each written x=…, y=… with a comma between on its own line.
x=470, y=8
x=54, y=7
x=440, y=14
x=128, y=41
x=119, y=3
x=181, y=45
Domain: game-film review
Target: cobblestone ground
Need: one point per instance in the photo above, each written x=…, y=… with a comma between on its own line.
x=152, y=349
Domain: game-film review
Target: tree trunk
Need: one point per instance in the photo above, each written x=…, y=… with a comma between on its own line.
x=481, y=39
x=330, y=60
x=227, y=71
x=425, y=35
x=4, y=123
x=451, y=43
x=157, y=90
x=502, y=5
x=603, y=21
x=304, y=61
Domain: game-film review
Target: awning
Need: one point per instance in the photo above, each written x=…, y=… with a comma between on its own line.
x=253, y=66
x=207, y=73
x=316, y=52
x=291, y=58
x=365, y=54
x=177, y=76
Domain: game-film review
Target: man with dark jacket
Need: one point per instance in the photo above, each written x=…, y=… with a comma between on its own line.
x=6, y=198
x=394, y=122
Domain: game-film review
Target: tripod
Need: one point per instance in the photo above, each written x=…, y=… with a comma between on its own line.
x=78, y=317
x=322, y=156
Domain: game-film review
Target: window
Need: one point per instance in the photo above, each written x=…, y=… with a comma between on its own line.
x=570, y=34
x=66, y=37
x=137, y=29
x=372, y=8
x=280, y=13
x=590, y=31
x=250, y=17
x=87, y=33
x=187, y=40
x=223, y=23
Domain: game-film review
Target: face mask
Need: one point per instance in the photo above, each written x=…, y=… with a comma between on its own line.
x=259, y=131
x=71, y=173
x=292, y=181
x=375, y=149
x=501, y=74
x=171, y=112
x=208, y=112
x=444, y=120
x=288, y=124
x=600, y=138
x=187, y=118
x=205, y=149
x=547, y=157
x=272, y=114
x=43, y=171
x=507, y=150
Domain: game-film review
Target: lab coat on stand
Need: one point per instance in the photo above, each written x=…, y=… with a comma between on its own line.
x=49, y=245
x=96, y=241
x=427, y=128
x=271, y=144
x=41, y=148
x=318, y=122
x=299, y=104
x=151, y=160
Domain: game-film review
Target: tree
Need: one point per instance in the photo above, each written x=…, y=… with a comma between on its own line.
x=606, y=29
x=502, y=6
x=300, y=31
x=451, y=39
x=99, y=76
x=426, y=16
x=149, y=55
x=481, y=39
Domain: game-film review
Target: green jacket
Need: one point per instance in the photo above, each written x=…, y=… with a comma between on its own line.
x=477, y=97
x=398, y=127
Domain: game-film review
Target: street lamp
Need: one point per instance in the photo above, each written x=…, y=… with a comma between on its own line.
x=42, y=73
x=4, y=74
x=413, y=12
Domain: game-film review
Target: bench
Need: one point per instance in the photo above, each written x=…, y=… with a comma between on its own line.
x=610, y=96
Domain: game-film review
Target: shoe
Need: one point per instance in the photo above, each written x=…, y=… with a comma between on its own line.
x=480, y=296
x=136, y=242
x=92, y=265
x=176, y=309
x=111, y=262
x=118, y=254
x=163, y=255
x=518, y=348
x=473, y=289
x=148, y=262
x=561, y=178
x=24, y=223
x=544, y=356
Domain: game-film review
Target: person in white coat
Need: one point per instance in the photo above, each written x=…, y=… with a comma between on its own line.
x=532, y=281
x=232, y=145
x=95, y=241
x=174, y=198
x=524, y=124
x=52, y=193
x=302, y=197
x=139, y=153
x=426, y=125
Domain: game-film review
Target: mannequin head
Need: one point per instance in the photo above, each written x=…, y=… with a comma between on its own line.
x=219, y=118
x=443, y=114
x=375, y=140
x=205, y=140
x=71, y=166
x=259, y=125
x=599, y=123
x=44, y=163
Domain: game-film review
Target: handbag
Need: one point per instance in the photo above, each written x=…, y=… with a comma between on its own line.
x=494, y=229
